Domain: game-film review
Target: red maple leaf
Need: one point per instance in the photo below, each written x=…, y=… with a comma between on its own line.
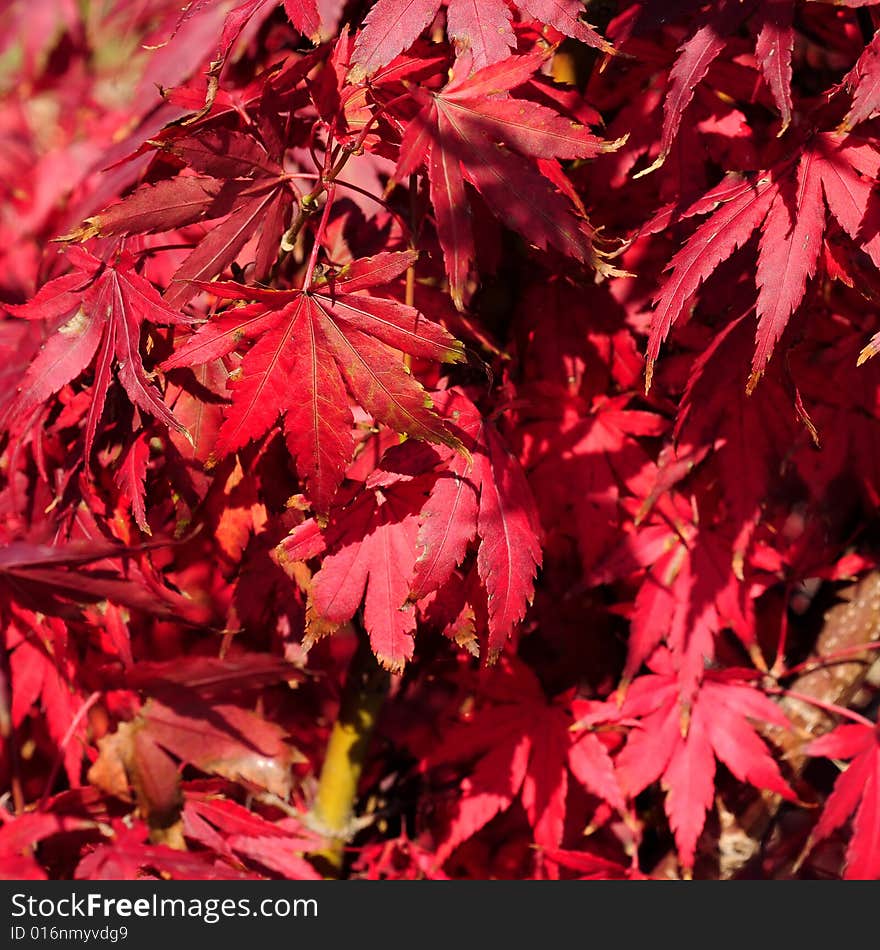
x=788, y=201
x=19, y=836
x=303, y=14
x=774, y=22
x=679, y=744
x=248, y=188
x=50, y=578
x=370, y=557
x=688, y=595
x=95, y=313
x=483, y=29
x=129, y=858
x=597, y=447
x=856, y=795
x=314, y=346
x=481, y=494
x=235, y=833
x=461, y=135
x=522, y=746
x=744, y=437
x=43, y=667
x=863, y=80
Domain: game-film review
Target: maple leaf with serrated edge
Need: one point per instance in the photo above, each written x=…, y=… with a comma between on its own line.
x=773, y=52
x=789, y=204
x=303, y=14
x=129, y=858
x=788, y=250
x=521, y=745
x=132, y=478
x=97, y=311
x=50, y=578
x=481, y=29
x=313, y=347
x=249, y=190
x=695, y=56
x=687, y=596
x=679, y=744
x=746, y=436
x=863, y=81
x=482, y=494
x=370, y=557
x=43, y=671
x=598, y=447
x=473, y=131
x=856, y=795
x=20, y=835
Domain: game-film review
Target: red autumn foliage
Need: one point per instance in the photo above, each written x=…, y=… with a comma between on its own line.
x=533, y=352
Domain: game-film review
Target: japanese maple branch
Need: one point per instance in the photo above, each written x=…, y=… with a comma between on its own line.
x=319, y=237
x=366, y=688
x=334, y=161
x=341, y=183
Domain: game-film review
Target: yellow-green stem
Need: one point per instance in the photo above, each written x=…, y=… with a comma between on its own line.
x=364, y=693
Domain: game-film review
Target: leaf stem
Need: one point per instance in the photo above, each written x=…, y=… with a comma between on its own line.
x=319, y=236
x=779, y=662
x=827, y=707
x=830, y=659
x=334, y=161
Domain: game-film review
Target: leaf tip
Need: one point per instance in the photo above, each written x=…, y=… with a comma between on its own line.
x=757, y=657
x=657, y=163
x=869, y=351
x=612, y=145
x=395, y=667
x=90, y=228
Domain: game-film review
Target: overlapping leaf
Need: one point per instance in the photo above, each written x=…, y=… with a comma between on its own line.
x=471, y=132
x=313, y=347
x=484, y=495
x=370, y=558
x=303, y=14
x=249, y=189
x=481, y=29
x=856, y=795
x=523, y=747
x=720, y=22
x=788, y=202
x=679, y=745
x=94, y=315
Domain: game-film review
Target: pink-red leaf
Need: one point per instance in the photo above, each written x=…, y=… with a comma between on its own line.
x=856, y=794
x=789, y=249
x=311, y=350
x=773, y=52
